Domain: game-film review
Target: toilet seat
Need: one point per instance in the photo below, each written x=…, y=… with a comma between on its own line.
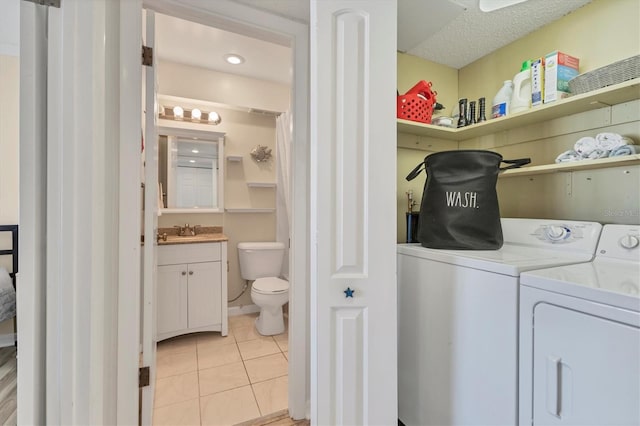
x=270, y=285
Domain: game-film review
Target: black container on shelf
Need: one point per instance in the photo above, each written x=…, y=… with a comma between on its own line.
x=412, y=227
x=462, y=117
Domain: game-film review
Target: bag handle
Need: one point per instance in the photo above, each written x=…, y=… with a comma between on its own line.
x=415, y=172
x=514, y=164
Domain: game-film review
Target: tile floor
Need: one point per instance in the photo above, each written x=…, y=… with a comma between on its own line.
x=207, y=379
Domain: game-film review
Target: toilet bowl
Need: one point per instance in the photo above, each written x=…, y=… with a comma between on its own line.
x=262, y=263
x=270, y=294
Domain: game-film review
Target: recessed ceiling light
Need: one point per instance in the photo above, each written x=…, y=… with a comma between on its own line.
x=195, y=151
x=233, y=59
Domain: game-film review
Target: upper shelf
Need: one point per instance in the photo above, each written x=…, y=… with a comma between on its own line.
x=625, y=160
x=611, y=95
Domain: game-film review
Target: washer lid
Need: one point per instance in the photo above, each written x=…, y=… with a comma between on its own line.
x=269, y=285
x=510, y=260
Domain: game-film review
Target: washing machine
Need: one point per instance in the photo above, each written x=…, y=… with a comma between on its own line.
x=580, y=338
x=458, y=321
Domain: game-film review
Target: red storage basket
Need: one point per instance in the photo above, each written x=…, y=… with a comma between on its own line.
x=417, y=104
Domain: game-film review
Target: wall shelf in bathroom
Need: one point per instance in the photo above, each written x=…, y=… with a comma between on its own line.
x=607, y=96
x=627, y=160
x=251, y=210
x=234, y=158
x=261, y=184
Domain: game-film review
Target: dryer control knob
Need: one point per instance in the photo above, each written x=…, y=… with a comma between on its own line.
x=556, y=233
x=629, y=241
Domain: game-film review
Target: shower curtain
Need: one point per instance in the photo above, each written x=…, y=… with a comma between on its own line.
x=283, y=165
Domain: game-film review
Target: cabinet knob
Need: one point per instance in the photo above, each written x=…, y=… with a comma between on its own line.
x=190, y=272
x=184, y=272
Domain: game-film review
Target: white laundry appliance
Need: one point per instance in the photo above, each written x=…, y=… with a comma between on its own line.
x=580, y=337
x=458, y=321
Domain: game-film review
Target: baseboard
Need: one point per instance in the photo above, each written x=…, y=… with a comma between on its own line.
x=7, y=340
x=242, y=310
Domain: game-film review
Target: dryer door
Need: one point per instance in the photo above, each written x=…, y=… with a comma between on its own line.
x=585, y=370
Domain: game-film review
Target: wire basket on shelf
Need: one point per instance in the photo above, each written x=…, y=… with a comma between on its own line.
x=615, y=73
x=417, y=104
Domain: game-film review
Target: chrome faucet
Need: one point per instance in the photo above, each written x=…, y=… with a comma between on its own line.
x=186, y=230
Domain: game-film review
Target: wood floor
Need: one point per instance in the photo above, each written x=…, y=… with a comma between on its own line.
x=8, y=382
x=281, y=418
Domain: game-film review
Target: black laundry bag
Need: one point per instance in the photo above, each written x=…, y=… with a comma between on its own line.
x=459, y=208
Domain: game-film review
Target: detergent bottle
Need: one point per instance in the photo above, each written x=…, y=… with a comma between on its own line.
x=501, y=101
x=521, y=98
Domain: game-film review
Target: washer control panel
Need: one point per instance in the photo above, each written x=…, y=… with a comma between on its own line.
x=620, y=242
x=564, y=235
x=558, y=233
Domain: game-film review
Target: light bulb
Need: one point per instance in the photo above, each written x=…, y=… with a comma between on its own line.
x=214, y=117
x=196, y=114
x=178, y=112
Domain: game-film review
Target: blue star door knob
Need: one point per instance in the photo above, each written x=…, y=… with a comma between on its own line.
x=349, y=292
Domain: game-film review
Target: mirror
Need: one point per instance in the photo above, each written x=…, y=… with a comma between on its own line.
x=191, y=173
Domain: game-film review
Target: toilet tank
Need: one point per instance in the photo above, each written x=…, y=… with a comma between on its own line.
x=258, y=260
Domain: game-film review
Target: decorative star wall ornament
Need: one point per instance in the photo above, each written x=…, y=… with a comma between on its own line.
x=261, y=153
x=349, y=292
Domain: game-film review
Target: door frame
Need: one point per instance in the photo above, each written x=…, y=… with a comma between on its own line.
x=230, y=16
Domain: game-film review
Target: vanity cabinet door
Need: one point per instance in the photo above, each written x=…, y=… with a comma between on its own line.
x=172, y=298
x=205, y=288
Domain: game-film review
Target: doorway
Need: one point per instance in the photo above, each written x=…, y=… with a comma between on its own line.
x=233, y=17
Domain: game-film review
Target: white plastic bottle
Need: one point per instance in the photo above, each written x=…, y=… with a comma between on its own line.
x=501, y=101
x=521, y=98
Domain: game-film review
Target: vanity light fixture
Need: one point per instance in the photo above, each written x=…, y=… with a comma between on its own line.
x=233, y=59
x=193, y=115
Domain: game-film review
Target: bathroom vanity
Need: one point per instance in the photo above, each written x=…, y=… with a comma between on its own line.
x=191, y=285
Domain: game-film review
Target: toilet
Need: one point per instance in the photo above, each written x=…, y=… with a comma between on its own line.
x=262, y=263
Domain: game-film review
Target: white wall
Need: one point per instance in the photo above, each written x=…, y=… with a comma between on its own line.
x=207, y=85
x=243, y=131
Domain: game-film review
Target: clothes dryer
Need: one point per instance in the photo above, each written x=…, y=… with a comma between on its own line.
x=458, y=321
x=580, y=337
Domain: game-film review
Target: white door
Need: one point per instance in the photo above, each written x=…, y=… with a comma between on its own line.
x=150, y=227
x=353, y=213
x=84, y=234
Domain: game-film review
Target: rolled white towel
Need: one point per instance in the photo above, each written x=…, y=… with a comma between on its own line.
x=611, y=141
x=585, y=146
x=595, y=154
x=624, y=150
x=568, y=156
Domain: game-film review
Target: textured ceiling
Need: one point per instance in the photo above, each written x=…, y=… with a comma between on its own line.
x=474, y=34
